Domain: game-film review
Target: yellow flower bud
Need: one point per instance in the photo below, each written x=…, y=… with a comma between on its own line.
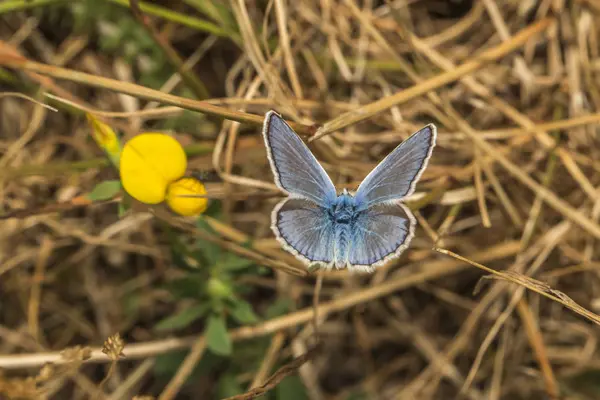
x=106, y=138
x=149, y=163
x=178, y=200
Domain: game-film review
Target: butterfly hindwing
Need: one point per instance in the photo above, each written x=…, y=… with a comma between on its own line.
x=304, y=229
x=296, y=169
x=381, y=232
x=397, y=175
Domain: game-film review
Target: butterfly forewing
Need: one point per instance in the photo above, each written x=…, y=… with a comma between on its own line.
x=295, y=168
x=304, y=230
x=397, y=175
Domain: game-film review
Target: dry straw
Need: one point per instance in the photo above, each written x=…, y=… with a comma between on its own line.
x=511, y=187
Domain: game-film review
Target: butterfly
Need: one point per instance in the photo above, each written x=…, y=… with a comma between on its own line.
x=355, y=230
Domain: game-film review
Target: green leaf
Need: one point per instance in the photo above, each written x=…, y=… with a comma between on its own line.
x=242, y=312
x=183, y=318
x=105, y=190
x=131, y=304
x=210, y=253
x=228, y=386
x=279, y=307
x=123, y=207
x=167, y=365
x=203, y=225
x=206, y=254
x=217, y=337
x=188, y=287
x=263, y=270
x=215, y=210
x=233, y=262
x=357, y=396
x=291, y=388
x=585, y=383
x=180, y=255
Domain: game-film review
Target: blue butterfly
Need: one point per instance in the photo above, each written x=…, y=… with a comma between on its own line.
x=358, y=231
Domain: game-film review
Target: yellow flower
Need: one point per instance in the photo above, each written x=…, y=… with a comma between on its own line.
x=106, y=139
x=152, y=170
x=180, y=197
x=150, y=162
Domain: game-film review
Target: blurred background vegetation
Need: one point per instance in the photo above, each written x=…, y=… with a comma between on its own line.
x=211, y=307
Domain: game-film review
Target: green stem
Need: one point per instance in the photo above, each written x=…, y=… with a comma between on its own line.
x=191, y=22
x=7, y=77
x=55, y=168
x=218, y=13
x=188, y=76
x=20, y=5
x=76, y=166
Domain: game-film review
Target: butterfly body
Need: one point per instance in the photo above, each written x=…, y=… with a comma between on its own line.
x=343, y=217
x=359, y=230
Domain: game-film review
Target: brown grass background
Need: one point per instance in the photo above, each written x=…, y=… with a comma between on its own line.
x=511, y=189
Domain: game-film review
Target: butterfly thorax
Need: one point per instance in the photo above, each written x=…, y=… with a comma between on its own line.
x=343, y=210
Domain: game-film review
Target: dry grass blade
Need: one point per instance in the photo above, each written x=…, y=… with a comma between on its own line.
x=282, y=18
x=369, y=110
x=270, y=359
x=28, y=98
x=547, y=126
x=531, y=284
x=138, y=91
x=154, y=113
x=75, y=203
x=537, y=342
x=543, y=193
x=184, y=370
x=513, y=113
x=483, y=209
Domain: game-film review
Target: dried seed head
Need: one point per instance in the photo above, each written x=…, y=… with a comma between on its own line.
x=113, y=347
x=76, y=354
x=46, y=372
